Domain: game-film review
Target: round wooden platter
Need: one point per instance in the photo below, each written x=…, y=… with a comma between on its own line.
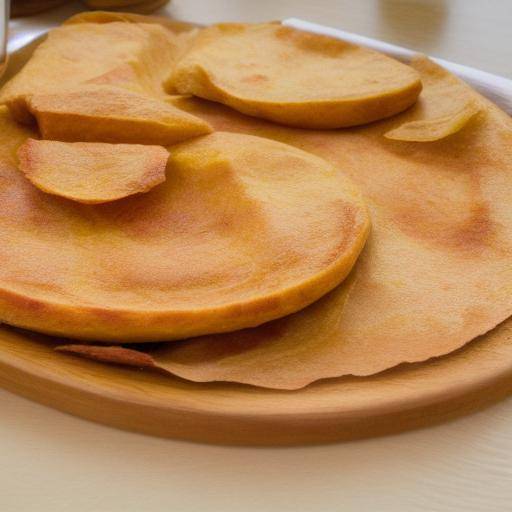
x=407, y=397
x=410, y=396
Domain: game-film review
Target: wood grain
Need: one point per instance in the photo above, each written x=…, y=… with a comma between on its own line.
x=340, y=409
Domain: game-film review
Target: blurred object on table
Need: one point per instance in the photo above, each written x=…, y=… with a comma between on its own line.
x=28, y=7
x=400, y=19
x=140, y=6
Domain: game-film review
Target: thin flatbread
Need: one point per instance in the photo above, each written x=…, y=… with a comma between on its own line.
x=293, y=77
x=92, y=173
x=189, y=30
x=440, y=112
x=428, y=130
x=434, y=274
x=135, y=56
x=245, y=230
x=101, y=113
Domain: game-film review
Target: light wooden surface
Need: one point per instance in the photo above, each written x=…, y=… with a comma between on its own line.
x=345, y=409
x=51, y=461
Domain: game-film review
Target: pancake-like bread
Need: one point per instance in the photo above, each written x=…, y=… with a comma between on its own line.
x=92, y=173
x=244, y=230
x=108, y=114
x=436, y=271
x=294, y=77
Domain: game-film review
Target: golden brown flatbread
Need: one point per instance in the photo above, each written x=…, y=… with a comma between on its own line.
x=187, y=30
x=100, y=113
x=442, y=110
x=92, y=173
x=244, y=230
x=434, y=274
x=294, y=77
x=139, y=56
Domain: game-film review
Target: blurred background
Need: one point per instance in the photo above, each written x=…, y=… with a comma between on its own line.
x=465, y=31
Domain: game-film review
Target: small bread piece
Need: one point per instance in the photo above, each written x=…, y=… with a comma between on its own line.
x=294, y=77
x=428, y=130
x=134, y=56
x=443, y=108
x=109, y=114
x=92, y=173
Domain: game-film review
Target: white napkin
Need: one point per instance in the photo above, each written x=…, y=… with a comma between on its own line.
x=497, y=88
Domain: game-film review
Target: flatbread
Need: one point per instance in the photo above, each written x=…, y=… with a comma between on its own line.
x=437, y=128
x=142, y=54
x=279, y=350
x=243, y=231
x=434, y=274
x=186, y=29
x=440, y=112
x=92, y=173
x=294, y=77
x=101, y=113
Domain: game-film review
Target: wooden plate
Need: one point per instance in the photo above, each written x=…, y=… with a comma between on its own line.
x=407, y=397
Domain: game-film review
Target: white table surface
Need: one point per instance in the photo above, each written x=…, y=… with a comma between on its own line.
x=50, y=461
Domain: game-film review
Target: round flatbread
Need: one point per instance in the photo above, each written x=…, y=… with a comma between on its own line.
x=435, y=273
x=92, y=172
x=244, y=230
x=294, y=77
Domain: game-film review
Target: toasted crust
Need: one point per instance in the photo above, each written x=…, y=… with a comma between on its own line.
x=252, y=68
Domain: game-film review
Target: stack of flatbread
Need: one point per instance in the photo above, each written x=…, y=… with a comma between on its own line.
x=248, y=202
